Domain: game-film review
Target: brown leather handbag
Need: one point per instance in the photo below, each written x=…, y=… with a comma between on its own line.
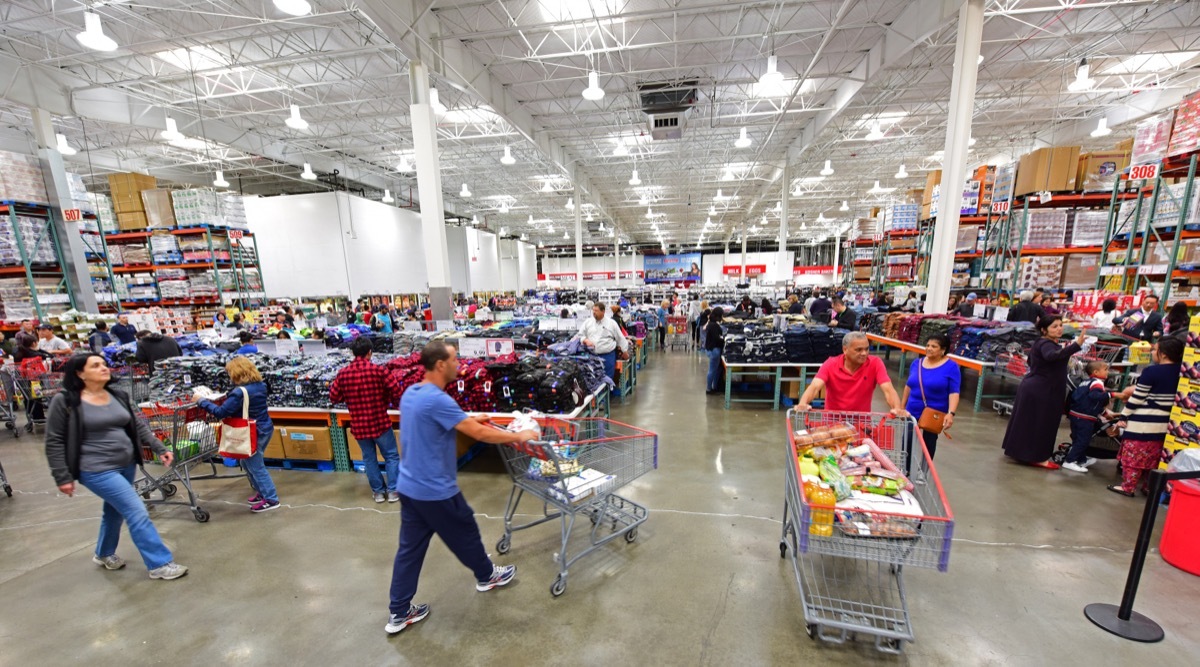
x=931, y=420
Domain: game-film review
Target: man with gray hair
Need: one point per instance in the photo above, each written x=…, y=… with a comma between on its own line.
x=849, y=379
x=1026, y=310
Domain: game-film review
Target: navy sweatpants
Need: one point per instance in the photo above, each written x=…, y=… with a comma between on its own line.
x=453, y=520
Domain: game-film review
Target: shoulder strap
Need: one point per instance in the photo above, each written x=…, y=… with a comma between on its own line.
x=921, y=380
x=245, y=403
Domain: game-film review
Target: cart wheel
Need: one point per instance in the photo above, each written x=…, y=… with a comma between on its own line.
x=595, y=517
x=631, y=536
x=8, y=490
x=893, y=645
x=503, y=545
x=146, y=495
x=811, y=629
x=782, y=549
x=201, y=515
x=169, y=490
x=559, y=586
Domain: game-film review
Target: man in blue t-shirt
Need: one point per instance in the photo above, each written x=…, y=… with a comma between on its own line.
x=430, y=501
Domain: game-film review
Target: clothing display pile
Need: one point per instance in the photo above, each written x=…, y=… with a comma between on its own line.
x=756, y=346
x=813, y=344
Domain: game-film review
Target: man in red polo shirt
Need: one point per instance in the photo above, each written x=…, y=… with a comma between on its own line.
x=850, y=378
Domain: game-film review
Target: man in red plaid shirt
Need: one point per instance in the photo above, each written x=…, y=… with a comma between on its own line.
x=368, y=390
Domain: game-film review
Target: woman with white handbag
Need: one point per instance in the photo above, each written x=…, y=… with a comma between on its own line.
x=247, y=428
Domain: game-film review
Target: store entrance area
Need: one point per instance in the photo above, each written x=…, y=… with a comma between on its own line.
x=703, y=584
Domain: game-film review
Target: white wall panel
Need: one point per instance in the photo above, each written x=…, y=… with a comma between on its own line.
x=509, y=265
x=299, y=246
x=484, y=262
x=527, y=270
x=383, y=247
x=460, y=263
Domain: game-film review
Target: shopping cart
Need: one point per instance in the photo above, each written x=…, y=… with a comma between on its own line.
x=1012, y=364
x=187, y=434
x=851, y=579
x=575, y=472
x=678, y=336
x=1108, y=352
x=35, y=385
x=8, y=392
x=134, y=381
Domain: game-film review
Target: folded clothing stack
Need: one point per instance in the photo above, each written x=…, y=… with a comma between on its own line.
x=756, y=347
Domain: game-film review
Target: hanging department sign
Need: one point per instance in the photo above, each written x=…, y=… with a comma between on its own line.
x=588, y=276
x=826, y=270
x=670, y=268
x=751, y=270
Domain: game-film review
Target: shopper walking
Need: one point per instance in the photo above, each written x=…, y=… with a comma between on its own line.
x=701, y=323
x=99, y=338
x=153, y=346
x=662, y=311
x=603, y=337
x=430, y=500
x=1146, y=415
x=368, y=390
x=933, y=382
x=850, y=379
x=714, y=345
x=93, y=437
x=1038, y=407
x=249, y=388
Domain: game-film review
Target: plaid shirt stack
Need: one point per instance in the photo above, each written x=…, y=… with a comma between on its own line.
x=367, y=390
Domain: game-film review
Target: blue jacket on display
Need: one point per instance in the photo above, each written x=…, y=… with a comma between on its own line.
x=232, y=407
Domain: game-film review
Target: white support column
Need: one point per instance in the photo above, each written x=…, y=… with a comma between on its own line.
x=429, y=187
x=958, y=136
x=579, y=236
x=837, y=255
x=783, y=268
x=617, y=256
x=744, y=278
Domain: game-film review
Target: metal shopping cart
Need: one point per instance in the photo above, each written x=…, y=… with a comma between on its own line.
x=851, y=579
x=575, y=472
x=1012, y=364
x=678, y=336
x=185, y=430
x=8, y=393
x=134, y=381
x=35, y=385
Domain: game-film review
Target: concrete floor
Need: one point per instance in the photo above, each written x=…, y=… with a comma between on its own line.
x=703, y=584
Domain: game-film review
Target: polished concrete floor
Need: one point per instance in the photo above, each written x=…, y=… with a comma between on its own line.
x=702, y=585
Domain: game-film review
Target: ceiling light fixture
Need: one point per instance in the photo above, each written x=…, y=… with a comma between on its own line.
x=901, y=173
x=643, y=200
x=547, y=188
x=508, y=157
x=845, y=206
x=589, y=216
x=308, y=174
x=172, y=132
x=219, y=181
x=474, y=219
x=1082, y=81
x=712, y=209
x=771, y=83
x=649, y=213
x=464, y=192
x=294, y=121
x=821, y=219
x=566, y=236
x=621, y=150
x=720, y=196
x=524, y=237
x=504, y=231
x=743, y=141
x=728, y=175
x=634, y=180
x=593, y=93
x=403, y=166
x=93, y=36
x=828, y=170
x=550, y=229
x=1101, y=128
x=541, y=244
x=876, y=133
x=570, y=203
x=294, y=7
x=877, y=190
x=388, y=198
x=62, y=145
x=979, y=61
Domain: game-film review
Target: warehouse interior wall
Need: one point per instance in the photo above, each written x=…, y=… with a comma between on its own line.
x=527, y=266
x=460, y=270
x=713, y=264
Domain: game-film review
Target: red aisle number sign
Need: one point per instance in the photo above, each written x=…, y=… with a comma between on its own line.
x=1000, y=207
x=72, y=214
x=1144, y=172
x=235, y=233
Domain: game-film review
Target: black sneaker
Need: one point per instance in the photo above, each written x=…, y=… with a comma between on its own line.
x=396, y=622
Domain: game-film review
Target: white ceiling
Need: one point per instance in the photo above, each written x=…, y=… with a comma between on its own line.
x=346, y=66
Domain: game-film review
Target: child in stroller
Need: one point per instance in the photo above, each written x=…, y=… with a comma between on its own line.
x=1093, y=427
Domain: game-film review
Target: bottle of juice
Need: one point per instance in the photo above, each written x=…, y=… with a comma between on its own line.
x=822, y=519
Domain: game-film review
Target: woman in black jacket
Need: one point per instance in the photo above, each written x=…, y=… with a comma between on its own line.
x=94, y=437
x=714, y=343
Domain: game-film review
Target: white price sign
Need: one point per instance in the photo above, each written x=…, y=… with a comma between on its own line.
x=410, y=326
x=1001, y=314
x=980, y=310
x=445, y=325
x=284, y=347
x=499, y=346
x=1144, y=172
x=1004, y=275
x=472, y=347
x=1151, y=269
x=1045, y=198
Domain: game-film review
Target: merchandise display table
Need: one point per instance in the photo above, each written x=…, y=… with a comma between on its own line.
x=980, y=368
x=775, y=371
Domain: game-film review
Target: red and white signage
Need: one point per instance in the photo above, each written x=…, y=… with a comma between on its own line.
x=589, y=275
x=1000, y=207
x=751, y=270
x=235, y=233
x=72, y=214
x=813, y=270
x=1147, y=172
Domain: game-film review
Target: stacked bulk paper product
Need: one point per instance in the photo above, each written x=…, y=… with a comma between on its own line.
x=116, y=254
x=135, y=286
x=196, y=208
x=1170, y=202
x=79, y=194
x=202, y=285
x=1046, y=228
x=36, y=237
x=1183, y=432
x=864, y=254
x=21, y=179
x=1040, y=272
x=75, y=326
x=102, y=206
x=135, y=254
x=164, y=249
x=172, y=283
x=1090, y=227
x=234, y=211
x=167, y=321
x=1125, y=223
x=16, y=303
x=903, y=218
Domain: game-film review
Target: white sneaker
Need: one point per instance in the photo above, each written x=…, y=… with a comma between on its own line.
x=1089, y=462
x=113, y=562
x=169, y=571
x=1074, y=467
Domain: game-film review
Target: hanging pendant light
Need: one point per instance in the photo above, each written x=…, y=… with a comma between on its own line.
x=901, y=173
x=172, y=132
x=403, y=166
x=828, y=170
x=621, y=150
x=294, y=121
x=1083, y=82
x=845, y=206
x=546, y=187
x=219, y=181
x=1101, y=128
x=634, y=180
x=771, y=83
x=504, y=206
x=93, y=36
x=593, y=92
x=387, y=196
x=743, y=140
x=570, y=203
x=464, y=192
x=435, y=102
x=62, y=145
x=876, y=132
x=508, y=157
x=308, y=174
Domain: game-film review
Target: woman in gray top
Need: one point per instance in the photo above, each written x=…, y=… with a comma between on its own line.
x=93, y=436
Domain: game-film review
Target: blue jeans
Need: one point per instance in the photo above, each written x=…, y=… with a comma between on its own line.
x=451, y=519
x=610, y=364
x=386, y=442
x=115, y=488
x=1082, y=431
x=714, y=369
x=256, y=470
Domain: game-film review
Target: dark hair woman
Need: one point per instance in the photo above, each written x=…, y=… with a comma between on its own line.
x=1175, y=323
x=714, y=344
x=1038, y=406
x=933, y=382
x=94, y=437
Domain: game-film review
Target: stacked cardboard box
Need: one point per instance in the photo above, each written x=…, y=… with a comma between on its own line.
x=21, y=178
x=1080, y=271
x=1098, y=172
x=126, y=191
x=1047, y=170
x=932, y=182
x=901, y=217
x=160, y=212
x=968, y=239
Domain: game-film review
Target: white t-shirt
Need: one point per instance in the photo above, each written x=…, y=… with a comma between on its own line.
x=1103, y=320
x=53, y=344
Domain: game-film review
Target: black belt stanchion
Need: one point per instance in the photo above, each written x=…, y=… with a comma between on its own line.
x=1122, y=620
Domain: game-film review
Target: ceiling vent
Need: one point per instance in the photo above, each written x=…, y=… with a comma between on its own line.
x=667, y=106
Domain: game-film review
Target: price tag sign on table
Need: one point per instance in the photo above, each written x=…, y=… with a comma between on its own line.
x=411, y=326
x=473, y=348
x=445, y=325
x=980, y=310
x=285, y=347
x=497, y=347
x=1001, y=314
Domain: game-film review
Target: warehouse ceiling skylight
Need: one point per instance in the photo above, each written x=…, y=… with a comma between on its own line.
x=194, y=58
x=1152, y=62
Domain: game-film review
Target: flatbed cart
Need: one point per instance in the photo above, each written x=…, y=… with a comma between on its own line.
x=851, y=580
x=185, y=430
x=575, y=473
x=678, y=336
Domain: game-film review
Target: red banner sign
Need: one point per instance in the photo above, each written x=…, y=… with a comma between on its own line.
x=813, y=270
x=751, y=270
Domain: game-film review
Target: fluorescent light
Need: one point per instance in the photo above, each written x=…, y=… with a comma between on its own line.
x=194, y=59
x=524, y=237
x=712, y=209
x=388, y=198
x=403, y=166
x=772, y=83
x=219, y=181
x=566, y=236
x=901, y=173
x=1082, y=81
x=474, y=219
x=464, y=192
x=720, y=196
x=550, y=229
x=876, y=132
x=877, y=190
x=728, y=176
x=547, y=188
x=634, y=180
x=845, y=206
x=1101, y=128
x=504, y=206
x=172, y=132
x=828, y=170
x=643, y=200
x=593, y=92
x=649, y=213
x=295, y=121
x=308, y=174
x=63, y=147
x=743, y=141
x=293, y=7
x=508, y=157
x=93, y=36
